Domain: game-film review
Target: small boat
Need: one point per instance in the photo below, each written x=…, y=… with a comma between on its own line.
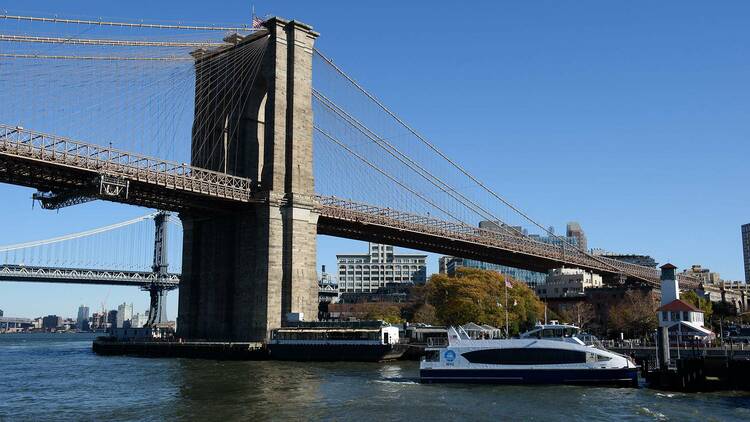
x=548, y=354
x=363, y=341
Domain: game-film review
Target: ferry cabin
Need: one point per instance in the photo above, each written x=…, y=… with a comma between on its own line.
x=332, y=335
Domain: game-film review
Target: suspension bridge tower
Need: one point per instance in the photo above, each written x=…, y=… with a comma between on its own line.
x=246, y=269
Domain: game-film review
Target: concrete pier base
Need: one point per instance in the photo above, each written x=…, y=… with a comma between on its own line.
x=190, y=349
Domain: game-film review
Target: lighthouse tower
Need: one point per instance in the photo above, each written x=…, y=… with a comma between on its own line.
x=670, y=288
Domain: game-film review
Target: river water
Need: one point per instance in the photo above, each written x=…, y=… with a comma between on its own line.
x=57, y=377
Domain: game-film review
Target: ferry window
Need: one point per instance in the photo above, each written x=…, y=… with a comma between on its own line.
x=664, y=316
x=432, y=356
x=685, y=316
x=525, y=356
x=602, y=358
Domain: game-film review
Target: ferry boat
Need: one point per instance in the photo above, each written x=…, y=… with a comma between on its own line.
x=364, y=341
x=548, y=354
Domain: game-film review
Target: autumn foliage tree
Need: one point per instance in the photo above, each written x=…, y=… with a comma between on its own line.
x=387, y=312
x=474, y=295
x=701, y=303
x=635, y=315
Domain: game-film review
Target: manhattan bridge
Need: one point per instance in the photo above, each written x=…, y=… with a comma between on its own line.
x=249, y=142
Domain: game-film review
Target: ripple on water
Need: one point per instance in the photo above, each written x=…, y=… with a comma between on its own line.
x=58, y=377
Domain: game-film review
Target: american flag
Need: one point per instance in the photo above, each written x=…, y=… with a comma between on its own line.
x=257, y=22
x=508, y=284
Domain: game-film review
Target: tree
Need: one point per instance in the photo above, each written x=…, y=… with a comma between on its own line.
x=425, y=314
x=474, y=295
x=580, y=314
x=387, y=312
x=701, y=303
x=635, y=315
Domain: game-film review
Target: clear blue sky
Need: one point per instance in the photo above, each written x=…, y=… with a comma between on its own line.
x=631, y=117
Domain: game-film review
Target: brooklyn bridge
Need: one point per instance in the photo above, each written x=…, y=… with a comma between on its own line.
x=255, y=142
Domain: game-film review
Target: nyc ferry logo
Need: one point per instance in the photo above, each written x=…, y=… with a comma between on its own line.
x=449, y=356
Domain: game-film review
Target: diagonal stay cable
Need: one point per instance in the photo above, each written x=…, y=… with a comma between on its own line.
x=384, y=173
x=434, y=148
x=409, y=162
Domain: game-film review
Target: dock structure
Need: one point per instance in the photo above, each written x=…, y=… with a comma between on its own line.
x=181, y=349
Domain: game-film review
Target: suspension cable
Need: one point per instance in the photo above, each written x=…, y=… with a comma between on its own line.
x=76, y=235
x=57, y=57
x=384, y=173
x=243, y=28
x=118, y=43
x=454, y=163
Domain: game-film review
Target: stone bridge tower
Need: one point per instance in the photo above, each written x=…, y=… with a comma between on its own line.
x=244, y=270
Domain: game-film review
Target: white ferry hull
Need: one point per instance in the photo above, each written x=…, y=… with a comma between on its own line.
x=540, y=359
x=617, y=376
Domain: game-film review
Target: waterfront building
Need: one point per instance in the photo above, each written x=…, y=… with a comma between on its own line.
x=575, y=237
x=643, y=260
x=703, y=274
x=98, y=321
x=124, y=315
x=83, y=317
x=531, y=278
x=328, y=288
x=746, y=250
x=14, y=325
x=111, y=319
x=52, y=322
x=574, y=231
x=366, y=273
x=443, y=264
x=138, y=320
x=503, y=228
x=568, y=282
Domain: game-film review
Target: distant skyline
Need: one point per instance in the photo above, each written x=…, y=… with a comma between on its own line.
x=630, y=118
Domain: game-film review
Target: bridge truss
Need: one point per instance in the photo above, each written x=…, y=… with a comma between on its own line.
x=32, y=274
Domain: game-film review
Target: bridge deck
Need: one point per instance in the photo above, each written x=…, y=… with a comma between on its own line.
x=21, y=273
x=52, y=163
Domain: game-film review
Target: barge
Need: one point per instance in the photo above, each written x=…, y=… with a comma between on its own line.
x=363, y=341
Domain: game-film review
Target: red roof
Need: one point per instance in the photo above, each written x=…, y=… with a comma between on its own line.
x=678, y=305
x=668, y=266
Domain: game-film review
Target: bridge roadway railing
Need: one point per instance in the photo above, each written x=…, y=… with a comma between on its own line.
x=40, y=147
x=86, y=276
x=31, y=145
x=346, y=210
